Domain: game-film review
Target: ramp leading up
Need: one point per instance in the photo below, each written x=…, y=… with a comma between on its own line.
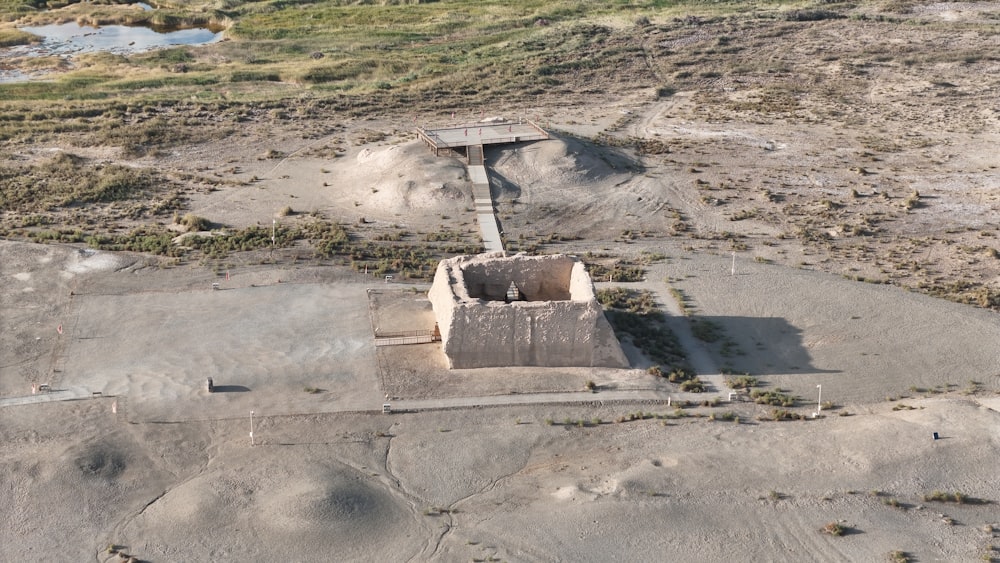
x=484, y=208
x=473, y=138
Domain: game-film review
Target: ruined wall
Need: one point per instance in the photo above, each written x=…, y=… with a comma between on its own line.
x=557, y=323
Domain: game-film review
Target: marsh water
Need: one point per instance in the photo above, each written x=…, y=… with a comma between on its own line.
x=72, y=38
x=67, y=39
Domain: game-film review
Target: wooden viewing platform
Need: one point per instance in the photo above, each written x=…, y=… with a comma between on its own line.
x=482, y=133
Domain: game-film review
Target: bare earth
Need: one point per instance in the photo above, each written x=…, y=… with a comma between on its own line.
x=471, y=469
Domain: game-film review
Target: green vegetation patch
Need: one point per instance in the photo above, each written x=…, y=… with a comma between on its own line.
x=635, y=315
x=11, y=37
x=66, y=180
x=618, y=270
x=774, y=397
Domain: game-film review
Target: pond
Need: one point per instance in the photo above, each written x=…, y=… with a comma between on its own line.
x=71, y=38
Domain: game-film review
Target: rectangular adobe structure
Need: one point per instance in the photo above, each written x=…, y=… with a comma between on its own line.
x=497, y=311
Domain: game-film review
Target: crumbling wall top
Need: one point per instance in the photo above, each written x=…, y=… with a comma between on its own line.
x=488, y=277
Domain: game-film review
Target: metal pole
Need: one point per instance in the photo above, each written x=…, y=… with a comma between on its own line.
x=819, y=399
x=251, y=428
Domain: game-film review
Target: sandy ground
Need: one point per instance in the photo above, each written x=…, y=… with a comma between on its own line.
x=172, y=477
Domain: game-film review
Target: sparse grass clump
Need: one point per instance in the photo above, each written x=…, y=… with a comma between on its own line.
x=693, y=386
x=69, y=180
x=955, y=497
x=742, y=382
x=782, y=414
x=619, y=271
x=635, y=315
x=775, y=398
x=893, y=503
x=834, y=529
x=193, y=223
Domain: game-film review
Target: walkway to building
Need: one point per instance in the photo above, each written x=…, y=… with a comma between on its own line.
x=471, y=140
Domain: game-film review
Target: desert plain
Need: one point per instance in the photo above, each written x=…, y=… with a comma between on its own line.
x=807, y=193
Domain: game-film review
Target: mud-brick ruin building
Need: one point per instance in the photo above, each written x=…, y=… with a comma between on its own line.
x=494, y=311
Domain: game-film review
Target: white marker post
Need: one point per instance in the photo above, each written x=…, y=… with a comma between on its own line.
x=251, y=428
x=819, y=399
x=733, y=271
x=274, y=223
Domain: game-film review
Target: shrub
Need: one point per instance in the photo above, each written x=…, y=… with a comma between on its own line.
x=834, y=529
x=955, y=497
x=782, y=414
x=635, y=314
x=774, y=398
x=195, y=223
x=742, y=382
x=693, y=386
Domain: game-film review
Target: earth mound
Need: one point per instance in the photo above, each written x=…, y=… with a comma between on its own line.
x=326, y=505
x=404, y=178
x=560, y=163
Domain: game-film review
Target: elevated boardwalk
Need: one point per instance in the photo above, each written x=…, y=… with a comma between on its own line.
x=488, y=133
x=472, y=139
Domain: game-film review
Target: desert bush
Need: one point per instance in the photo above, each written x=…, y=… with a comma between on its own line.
x=742, y=382
x=693, y=386
x=782, y=414
x=893, y=503
x=619, y=271
x=634, y=314
x=955, y=497
x=834, y=529
x=194, y=223
x=810, y=15
x=912, y=201
x=149, y=240
x=773, y=398
x=67, y=179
